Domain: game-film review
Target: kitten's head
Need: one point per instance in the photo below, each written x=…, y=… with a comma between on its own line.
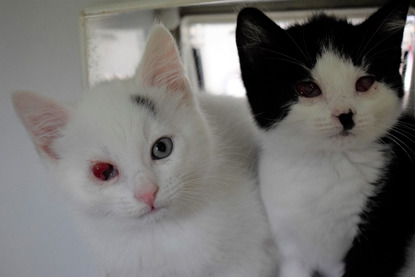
x=130, y=148
x=332, y=84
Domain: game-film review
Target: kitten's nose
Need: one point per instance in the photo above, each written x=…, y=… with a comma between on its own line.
x=147, y=193
x=346, y=119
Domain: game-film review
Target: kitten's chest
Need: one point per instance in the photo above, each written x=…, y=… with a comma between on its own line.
x=314, y=200
x=161, y=251
x=319, y=179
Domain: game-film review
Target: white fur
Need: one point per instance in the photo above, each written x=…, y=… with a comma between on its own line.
x=315, y=181
x=209, y=219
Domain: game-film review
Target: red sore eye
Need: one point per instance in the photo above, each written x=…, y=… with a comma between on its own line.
x=364, y=83
x=308, y=89
x=104, y=171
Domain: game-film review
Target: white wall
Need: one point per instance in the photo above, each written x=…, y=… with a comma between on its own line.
x=39, y=50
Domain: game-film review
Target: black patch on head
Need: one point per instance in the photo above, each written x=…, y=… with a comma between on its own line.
x=143, y=102
x=274, y=60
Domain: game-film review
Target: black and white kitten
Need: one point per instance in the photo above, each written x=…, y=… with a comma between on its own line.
x=338, y=155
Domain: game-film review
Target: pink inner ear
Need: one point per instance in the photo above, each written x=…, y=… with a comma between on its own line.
x=161, y=65
x=45, y=129
x=48, y=150
x=165, y=70
x=42, y=117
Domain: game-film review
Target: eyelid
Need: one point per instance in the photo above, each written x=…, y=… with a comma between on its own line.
x=364, y=83
x=308, y=89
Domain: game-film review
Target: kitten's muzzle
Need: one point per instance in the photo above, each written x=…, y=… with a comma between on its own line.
x=147, y=193
x=346, y=119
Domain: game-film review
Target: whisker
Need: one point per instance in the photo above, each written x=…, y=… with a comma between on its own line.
x=299, y=48
x=379, y=53
x=401, y=143
x=383, y=23
x=288, y=59
x=367, y=52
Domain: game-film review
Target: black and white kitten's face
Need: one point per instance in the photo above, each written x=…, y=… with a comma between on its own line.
x=328, y=83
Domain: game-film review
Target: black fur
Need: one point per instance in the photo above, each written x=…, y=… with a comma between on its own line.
x=274, y=60
x=143, y=102
x=388, y=222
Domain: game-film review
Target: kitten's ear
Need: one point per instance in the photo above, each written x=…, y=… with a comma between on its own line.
x=262, y=44
x=391, y=17
x=383, y=32
x=161, y=66
x=255, y=33
x=43, y=119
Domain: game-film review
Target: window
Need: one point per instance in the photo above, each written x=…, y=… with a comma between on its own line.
x=114, y=39
x=114, y=43
x=210, y=54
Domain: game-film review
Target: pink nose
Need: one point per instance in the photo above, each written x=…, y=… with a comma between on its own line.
x=147, y=193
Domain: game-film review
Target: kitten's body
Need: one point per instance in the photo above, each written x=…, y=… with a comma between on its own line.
x=191, y=211
x=316, y=202
x=337, y=163
x=315, y=207
x=221, y=230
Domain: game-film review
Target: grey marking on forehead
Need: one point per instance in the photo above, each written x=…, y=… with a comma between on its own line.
x=143, y=102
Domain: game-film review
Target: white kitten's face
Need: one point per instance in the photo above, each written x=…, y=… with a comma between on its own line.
x=112, y=160
x=136, y=148
x=345, y=94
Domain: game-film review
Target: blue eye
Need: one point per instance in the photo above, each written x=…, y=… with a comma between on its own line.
x=162, y=148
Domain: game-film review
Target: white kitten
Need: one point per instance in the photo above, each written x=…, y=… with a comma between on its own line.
x=158, y=188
